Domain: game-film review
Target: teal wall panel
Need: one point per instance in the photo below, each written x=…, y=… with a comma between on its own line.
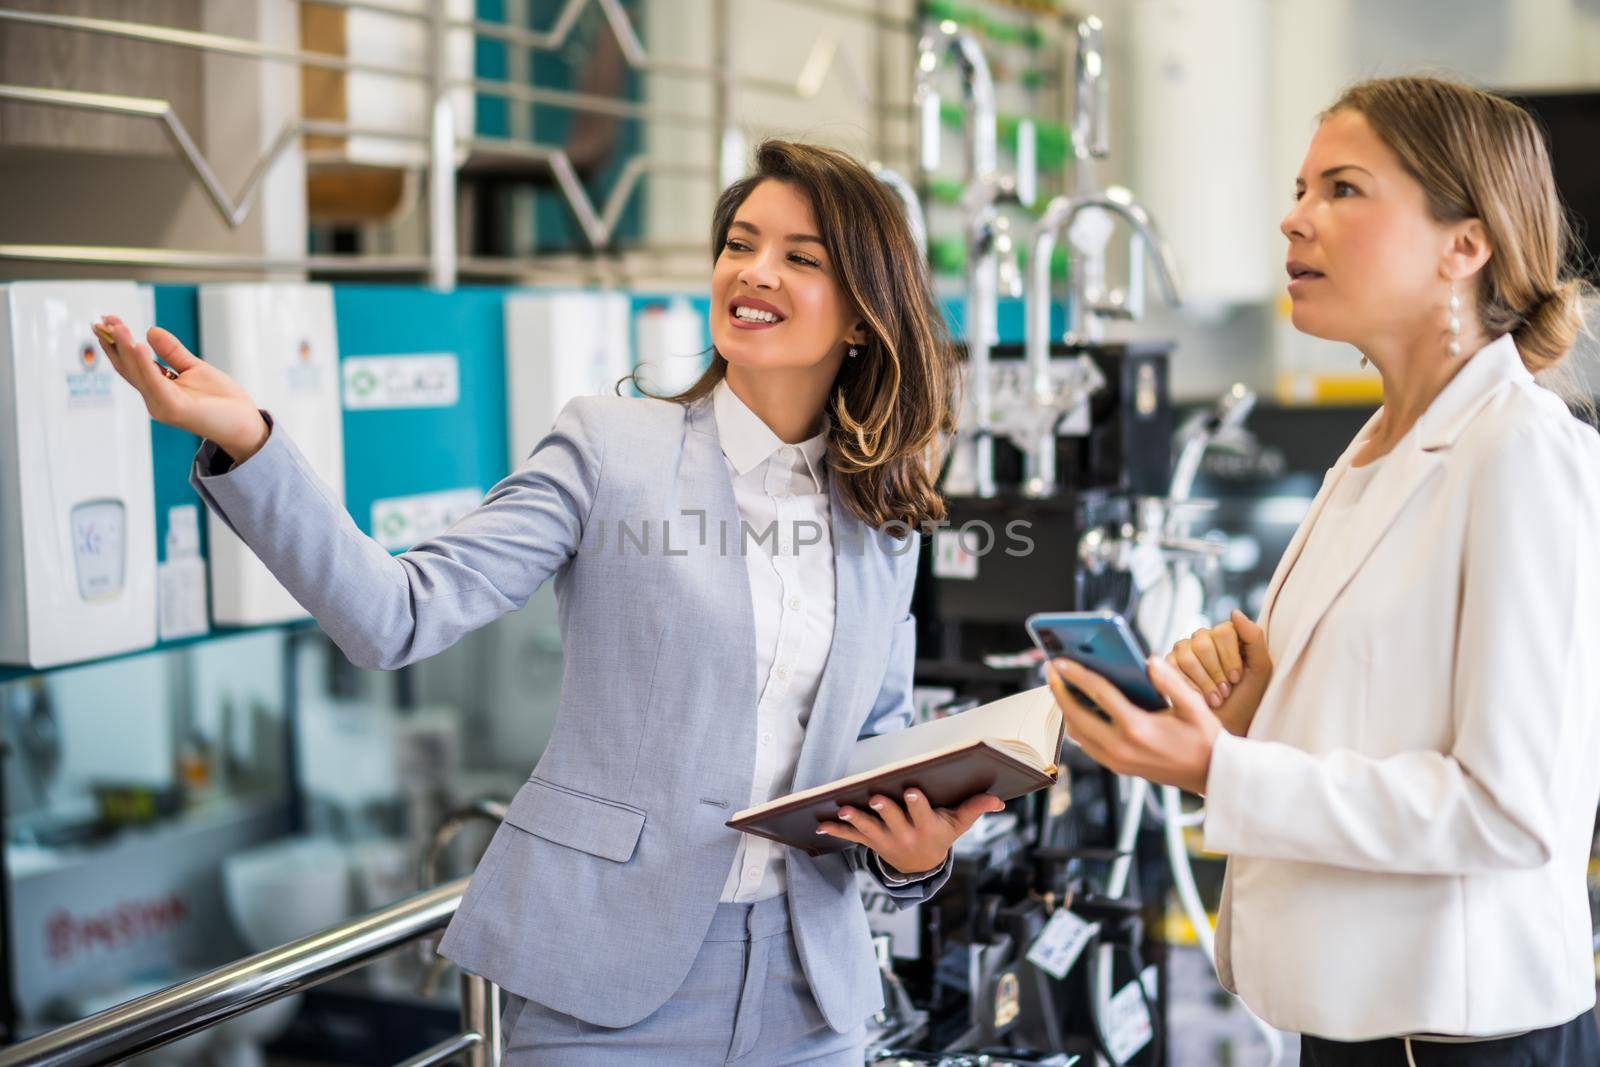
x=400, y=452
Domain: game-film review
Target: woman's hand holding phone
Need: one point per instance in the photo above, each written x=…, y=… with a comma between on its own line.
x=192, y=395
x=1229, y=666
x=1171, y=747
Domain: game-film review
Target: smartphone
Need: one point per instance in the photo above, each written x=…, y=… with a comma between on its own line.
x=1103, y=642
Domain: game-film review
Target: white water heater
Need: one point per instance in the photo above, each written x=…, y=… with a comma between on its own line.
x=1201, y=81
x=278, y=341
x=77, y=496
x=558, y=346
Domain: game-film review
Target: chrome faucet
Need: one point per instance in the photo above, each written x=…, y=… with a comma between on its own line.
x=1050, y=393
x=909, y=200
x=1089, y=103
x=987, y=237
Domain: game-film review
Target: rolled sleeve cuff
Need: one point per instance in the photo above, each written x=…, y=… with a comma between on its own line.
x=212, y=462
x=1231, y=788
x=881, y=871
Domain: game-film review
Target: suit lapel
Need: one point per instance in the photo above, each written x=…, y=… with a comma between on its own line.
x=1416, y=459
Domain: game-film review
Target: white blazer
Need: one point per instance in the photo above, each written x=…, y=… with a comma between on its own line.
x=1409, y=819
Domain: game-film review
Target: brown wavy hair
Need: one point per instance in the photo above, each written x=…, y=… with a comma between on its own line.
x=890, y=405
x=1480, y=156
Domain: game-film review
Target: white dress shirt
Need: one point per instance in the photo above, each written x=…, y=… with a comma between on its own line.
x=782, y=494
x=1326, y=558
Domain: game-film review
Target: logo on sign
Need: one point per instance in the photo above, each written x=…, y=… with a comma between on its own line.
x=305, y=375
x=88, y=386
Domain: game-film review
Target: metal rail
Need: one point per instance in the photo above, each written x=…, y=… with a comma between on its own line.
x=204, y=1001
x=442, y=262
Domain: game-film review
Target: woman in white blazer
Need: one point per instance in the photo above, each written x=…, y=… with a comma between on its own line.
x=1402, y=761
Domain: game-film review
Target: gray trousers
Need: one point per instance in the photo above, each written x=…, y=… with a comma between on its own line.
x=745, y=1002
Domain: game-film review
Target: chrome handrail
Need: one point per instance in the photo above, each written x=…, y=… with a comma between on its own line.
x=166, y=1015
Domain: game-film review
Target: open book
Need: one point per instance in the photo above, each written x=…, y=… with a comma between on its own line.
x=1007, y=747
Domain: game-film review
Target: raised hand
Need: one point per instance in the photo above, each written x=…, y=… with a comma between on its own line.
x=184, y=390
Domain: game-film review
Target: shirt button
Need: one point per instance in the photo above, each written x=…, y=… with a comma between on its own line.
x=794, y=603
x=766, y=738
x=783, y=672
x=753, y=872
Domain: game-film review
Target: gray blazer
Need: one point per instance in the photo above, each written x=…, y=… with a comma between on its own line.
x=597, y=890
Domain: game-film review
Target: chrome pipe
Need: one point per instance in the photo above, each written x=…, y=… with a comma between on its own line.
x=982, y=282
x=447, y=1050
x=442, y=249
x=977, y=86
x=1090, y=104
x=481, y=1004
x=166, y=1015
x=207, y=42
x=909, y=200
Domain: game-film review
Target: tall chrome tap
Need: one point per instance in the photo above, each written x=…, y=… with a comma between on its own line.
x=908, y=200
x=1051, y=392
x=986, y=233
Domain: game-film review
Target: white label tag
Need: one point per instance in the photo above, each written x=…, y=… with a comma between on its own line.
x=428, y=380
x=181, y=593
x=1128, y=1027
x=952, y=558
x=1060, y=943
x=181, y=580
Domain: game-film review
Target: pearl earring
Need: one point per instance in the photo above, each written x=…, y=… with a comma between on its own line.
x=854, y=352
x=1455, y=322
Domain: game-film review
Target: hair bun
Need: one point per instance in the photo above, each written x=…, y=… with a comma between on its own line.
x=1551, y=326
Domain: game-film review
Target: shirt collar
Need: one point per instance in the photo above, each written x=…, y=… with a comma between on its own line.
x=748, y=442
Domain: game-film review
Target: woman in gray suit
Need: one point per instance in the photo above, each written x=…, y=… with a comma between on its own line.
x=734, y=569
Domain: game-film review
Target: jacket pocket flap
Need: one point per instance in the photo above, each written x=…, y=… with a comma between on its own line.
x=589, y=824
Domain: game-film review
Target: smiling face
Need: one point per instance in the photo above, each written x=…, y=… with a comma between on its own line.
x=774, y=266
x=1365, y=257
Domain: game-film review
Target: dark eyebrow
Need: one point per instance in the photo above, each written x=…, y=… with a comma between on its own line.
x=1331, y=171
x=806, y=237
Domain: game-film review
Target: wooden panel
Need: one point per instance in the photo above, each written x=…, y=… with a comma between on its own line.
x=91, y=62
x=323, y=28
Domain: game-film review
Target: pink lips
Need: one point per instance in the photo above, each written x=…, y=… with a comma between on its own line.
x=1300, y=274
x=759, y=305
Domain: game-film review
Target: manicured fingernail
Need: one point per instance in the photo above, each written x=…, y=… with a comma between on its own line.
x=822, y=829
x=1224, y=689
x=844, y=815
x=1213, y=700
x=1235, y=675
x=911, y=796
x=876, y=805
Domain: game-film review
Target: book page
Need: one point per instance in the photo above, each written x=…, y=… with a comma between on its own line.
x=1030, y=716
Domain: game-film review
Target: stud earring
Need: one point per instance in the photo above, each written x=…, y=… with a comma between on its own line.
x=1455, y=322
x=854, y=352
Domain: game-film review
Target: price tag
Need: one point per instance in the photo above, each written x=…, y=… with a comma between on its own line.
x=1127, y=1022
x=1060, y=943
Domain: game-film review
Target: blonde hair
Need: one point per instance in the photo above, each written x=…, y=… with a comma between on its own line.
x=1479, y=156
